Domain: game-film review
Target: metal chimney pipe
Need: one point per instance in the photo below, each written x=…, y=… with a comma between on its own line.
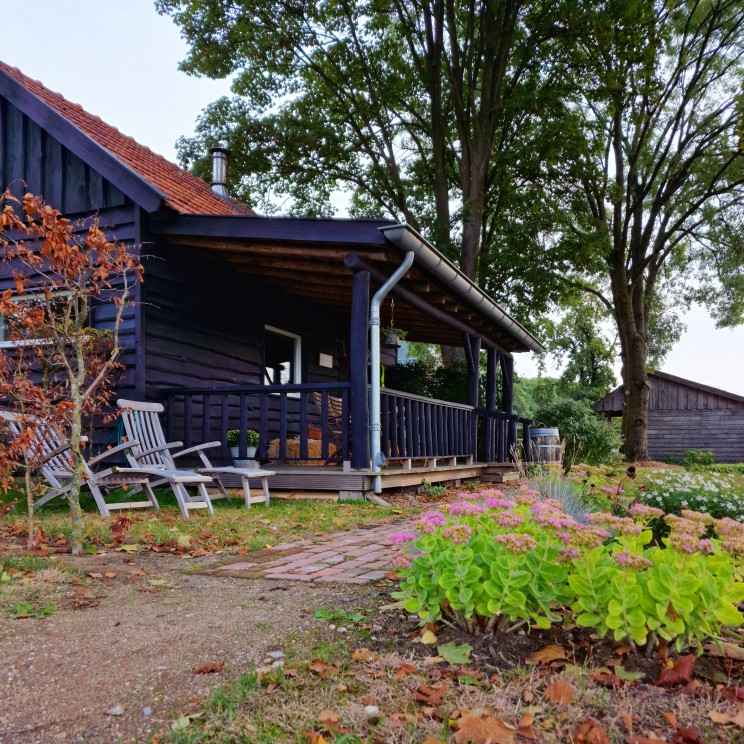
x=219, y=170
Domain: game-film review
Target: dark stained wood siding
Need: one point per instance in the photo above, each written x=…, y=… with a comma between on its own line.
x=204, y=324
x=671, y=433
x=120, y=224
x=29, y=154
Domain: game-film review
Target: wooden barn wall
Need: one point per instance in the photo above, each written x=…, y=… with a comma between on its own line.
x=28, y=154
x=667, y=395
x=671, y=433
x=119, y=223
x=204, y=324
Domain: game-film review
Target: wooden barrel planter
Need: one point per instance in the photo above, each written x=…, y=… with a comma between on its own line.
x=545, y=445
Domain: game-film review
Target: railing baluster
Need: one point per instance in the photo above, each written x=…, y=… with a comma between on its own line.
x=282, y=426
x=224, y=452
x=409, y=428
x=263, y=425
x=401, y=427
x=429, y=434
x=187, y=421
x=394, y=451
x=385, y=421
x=303, y=426
x=243, y=439
x=205, y=417
x=170, y=406
x=324, y=425
x=345, y=424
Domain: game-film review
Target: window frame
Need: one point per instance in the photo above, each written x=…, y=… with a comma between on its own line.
x=28, y=297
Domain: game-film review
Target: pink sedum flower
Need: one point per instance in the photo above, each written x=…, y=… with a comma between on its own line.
x=466, y=507
x=458, y=533
x=644, y=511
x=515, y=543
x=508, y=519
x=402, y=537
x=401, y=560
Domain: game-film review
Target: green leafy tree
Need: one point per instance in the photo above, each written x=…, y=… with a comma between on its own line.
x=430, y=111
x=655, y=170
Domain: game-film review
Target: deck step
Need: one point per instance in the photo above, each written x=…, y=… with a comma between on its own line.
x=500, y=477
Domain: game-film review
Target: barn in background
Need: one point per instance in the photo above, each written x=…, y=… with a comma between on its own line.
x=685, y=415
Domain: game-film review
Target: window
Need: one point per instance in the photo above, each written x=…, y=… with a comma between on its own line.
x=281, y=357
x=58, y=305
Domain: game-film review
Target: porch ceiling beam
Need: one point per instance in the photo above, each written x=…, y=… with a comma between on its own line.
x=355, y=261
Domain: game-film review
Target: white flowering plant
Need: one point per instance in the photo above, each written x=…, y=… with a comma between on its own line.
x=709, y=493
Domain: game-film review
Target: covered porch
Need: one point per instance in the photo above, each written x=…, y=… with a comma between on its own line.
x=314, y=426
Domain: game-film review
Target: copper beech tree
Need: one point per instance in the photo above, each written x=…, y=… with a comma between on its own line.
x=60, y=372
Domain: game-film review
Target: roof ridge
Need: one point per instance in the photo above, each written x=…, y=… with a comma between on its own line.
x=88, y=123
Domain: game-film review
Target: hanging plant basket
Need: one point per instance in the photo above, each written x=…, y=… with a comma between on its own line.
x=391, y=337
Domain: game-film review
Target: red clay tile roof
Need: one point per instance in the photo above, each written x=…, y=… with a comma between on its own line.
x=185, y=193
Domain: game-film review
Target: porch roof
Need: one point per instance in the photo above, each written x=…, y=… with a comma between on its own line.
x=314, y=258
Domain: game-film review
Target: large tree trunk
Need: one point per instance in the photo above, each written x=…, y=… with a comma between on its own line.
x=636, y=386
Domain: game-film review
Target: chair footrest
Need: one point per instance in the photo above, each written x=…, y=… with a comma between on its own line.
x=243, y=472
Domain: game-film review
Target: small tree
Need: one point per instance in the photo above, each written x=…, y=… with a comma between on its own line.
x=62, y=270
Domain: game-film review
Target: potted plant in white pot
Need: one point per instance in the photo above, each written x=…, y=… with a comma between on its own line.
x=233, y=442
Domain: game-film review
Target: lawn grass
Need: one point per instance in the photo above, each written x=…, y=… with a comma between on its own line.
x=232, y=529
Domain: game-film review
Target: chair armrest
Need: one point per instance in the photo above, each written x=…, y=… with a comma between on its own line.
x=206, y=445
x=107, y=453
x=159, y=448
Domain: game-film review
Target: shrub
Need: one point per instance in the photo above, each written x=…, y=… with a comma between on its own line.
x=586, y=436
x=487, y=563
x=697, y=458
x=251, y=438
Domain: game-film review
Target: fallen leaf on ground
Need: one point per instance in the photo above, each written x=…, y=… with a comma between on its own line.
x=328, y=717
x=605, y=678
x=546, y=655
x=323, y=670
x=590, y=732
x=731, y=650
x=559, y=693
x=363, y=655
x=670, y=718
x=487, y=730
x=209, y=667
x=428, y=638
x=686, y=736
x=404, y=669
x=732, y=716
x=679, y=674
x=432, y=740
x=430, y=695
x=453, y=653
x=110, y=574
x=627, y=720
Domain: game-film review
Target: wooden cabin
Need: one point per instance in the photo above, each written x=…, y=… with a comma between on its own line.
x=685, y=415
x=248, y=322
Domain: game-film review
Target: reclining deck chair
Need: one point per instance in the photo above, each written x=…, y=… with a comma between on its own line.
x=142, y=425
x=56, y=469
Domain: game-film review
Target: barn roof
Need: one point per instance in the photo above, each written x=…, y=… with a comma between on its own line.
x=612, y=402
x=68, y=121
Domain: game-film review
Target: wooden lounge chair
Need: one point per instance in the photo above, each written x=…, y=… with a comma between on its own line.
x=142, y=424
x=55, y=466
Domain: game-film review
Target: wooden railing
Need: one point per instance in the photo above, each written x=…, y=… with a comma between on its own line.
x=500, y=440
x=415, y=426
x=279, y=413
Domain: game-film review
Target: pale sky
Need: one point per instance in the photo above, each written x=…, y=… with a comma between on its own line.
x=119, y=58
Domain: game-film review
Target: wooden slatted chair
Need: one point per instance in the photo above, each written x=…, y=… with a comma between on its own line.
x=142, y=424
x=55, y=467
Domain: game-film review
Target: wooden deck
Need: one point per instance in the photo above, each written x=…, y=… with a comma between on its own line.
x=357, y=483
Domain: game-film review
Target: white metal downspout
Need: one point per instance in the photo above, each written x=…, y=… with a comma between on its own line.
x=375, y=427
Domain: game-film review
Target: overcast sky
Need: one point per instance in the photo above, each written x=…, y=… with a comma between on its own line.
x=119, y=59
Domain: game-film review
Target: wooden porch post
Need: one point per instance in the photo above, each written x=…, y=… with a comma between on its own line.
x=358, y=356
x=507, y=399
x=472, y=346
x=493, y=360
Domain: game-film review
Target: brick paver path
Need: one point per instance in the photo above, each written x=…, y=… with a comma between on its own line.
x=350, y=557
